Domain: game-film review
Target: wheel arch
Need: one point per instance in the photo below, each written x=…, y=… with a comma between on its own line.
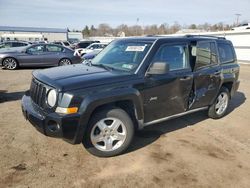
x=228, y=85
x=130, y=102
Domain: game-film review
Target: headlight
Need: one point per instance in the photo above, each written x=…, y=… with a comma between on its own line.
x=51, y=98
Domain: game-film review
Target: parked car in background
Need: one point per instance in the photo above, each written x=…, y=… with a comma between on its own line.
x=242, y=27
x=38, y=55
x=85, y=44
x=89, y=56
x=13, y=44
x=73, y=40
x=92, y=47
x=62, y=43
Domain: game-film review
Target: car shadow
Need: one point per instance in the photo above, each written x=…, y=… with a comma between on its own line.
x=13, y=96
x=153, y=132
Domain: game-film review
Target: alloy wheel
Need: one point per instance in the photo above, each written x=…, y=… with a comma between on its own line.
x=221, y=103
x=10, y=63
x=108, y=134
x=65, y=62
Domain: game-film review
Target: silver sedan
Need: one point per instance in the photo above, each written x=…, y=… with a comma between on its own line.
x=38, y=55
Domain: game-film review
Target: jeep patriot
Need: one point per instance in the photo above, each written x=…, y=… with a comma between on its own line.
x=132, y=83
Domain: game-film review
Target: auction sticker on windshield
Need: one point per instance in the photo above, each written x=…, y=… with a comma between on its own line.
x=135, y=48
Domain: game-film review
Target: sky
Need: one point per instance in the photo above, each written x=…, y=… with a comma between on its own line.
x=75, y=14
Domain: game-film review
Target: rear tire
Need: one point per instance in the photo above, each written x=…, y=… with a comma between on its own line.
x=10, y=63
x=64, y=61
x=109, y=133
x=220, y=106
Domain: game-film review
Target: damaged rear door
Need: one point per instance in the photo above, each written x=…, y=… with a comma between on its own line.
x=207, y=74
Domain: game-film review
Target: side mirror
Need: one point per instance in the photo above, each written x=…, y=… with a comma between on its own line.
x=159, y=68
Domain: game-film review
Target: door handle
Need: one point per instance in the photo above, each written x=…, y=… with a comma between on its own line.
x=185, y=78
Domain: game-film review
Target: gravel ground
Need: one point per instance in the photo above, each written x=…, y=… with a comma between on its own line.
x=192, y=151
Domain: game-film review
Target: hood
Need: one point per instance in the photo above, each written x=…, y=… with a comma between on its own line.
x=79, y=76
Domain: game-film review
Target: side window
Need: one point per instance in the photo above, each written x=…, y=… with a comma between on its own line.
x=7, y=45
x=205, y=53
x=18, y=44
x=36, y=49
x=52, y=48
x=214, y=59
x=174, y=55
x=226, y=53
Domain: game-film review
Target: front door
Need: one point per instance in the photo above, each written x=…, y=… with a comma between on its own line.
x=33, y=56
x=168, y=94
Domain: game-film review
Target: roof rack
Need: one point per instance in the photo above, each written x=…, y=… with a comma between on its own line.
x=206, y=36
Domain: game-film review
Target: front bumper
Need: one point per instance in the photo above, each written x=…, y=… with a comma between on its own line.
x=52, y=124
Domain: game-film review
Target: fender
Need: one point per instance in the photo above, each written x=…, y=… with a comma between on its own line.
x=91, y=102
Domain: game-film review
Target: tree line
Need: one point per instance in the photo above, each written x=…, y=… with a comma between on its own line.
x=138, y=30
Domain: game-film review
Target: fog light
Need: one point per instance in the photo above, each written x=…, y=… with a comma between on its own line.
x=53, y=126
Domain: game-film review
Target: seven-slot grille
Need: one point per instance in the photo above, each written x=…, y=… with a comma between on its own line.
x=38, y=93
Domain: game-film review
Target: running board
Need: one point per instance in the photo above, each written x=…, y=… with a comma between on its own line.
x=175, y=116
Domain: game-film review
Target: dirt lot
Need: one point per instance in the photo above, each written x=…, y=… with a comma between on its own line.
x=192, y=151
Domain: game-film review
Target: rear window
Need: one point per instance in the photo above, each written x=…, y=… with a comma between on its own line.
x=66, y=43
x=205, y=54
x=84, y=44
x=226, y=53
x=53, y=48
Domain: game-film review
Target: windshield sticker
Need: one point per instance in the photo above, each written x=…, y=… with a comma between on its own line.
x=135, y=48
x=127, y=66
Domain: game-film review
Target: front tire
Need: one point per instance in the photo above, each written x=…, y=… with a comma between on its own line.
x=220, y=106
x=109, y=133
x=10, y=63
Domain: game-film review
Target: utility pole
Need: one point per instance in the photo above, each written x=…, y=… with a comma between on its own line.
x=237, y=18
x=136, y=29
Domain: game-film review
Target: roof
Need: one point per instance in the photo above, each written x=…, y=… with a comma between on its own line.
x=152, y=38
x=33, y=29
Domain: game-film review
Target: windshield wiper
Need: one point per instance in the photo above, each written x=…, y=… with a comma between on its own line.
x=103, y=66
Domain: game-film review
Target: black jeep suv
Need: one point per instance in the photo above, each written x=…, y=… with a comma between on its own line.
x=132, y=83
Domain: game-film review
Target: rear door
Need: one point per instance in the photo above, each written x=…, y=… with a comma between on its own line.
x=207, y=74
x=166, y=95
x=53, y=54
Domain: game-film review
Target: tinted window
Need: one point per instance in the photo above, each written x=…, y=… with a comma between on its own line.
x=226, y=53
x=66, y=43
x=205, y=54
x=84, y=45
x=36, y=49
x=174, y=55
x=18, y=44
x=58, y=43
x=53, y=48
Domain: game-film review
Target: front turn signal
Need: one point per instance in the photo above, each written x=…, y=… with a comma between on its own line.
x=71, y=110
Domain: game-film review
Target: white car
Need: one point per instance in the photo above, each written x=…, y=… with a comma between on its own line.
x=242, y=27
x=90, y=48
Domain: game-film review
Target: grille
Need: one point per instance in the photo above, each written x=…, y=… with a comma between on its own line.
x=38, y=93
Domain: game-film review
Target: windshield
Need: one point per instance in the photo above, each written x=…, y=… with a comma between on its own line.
x=123, y=55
